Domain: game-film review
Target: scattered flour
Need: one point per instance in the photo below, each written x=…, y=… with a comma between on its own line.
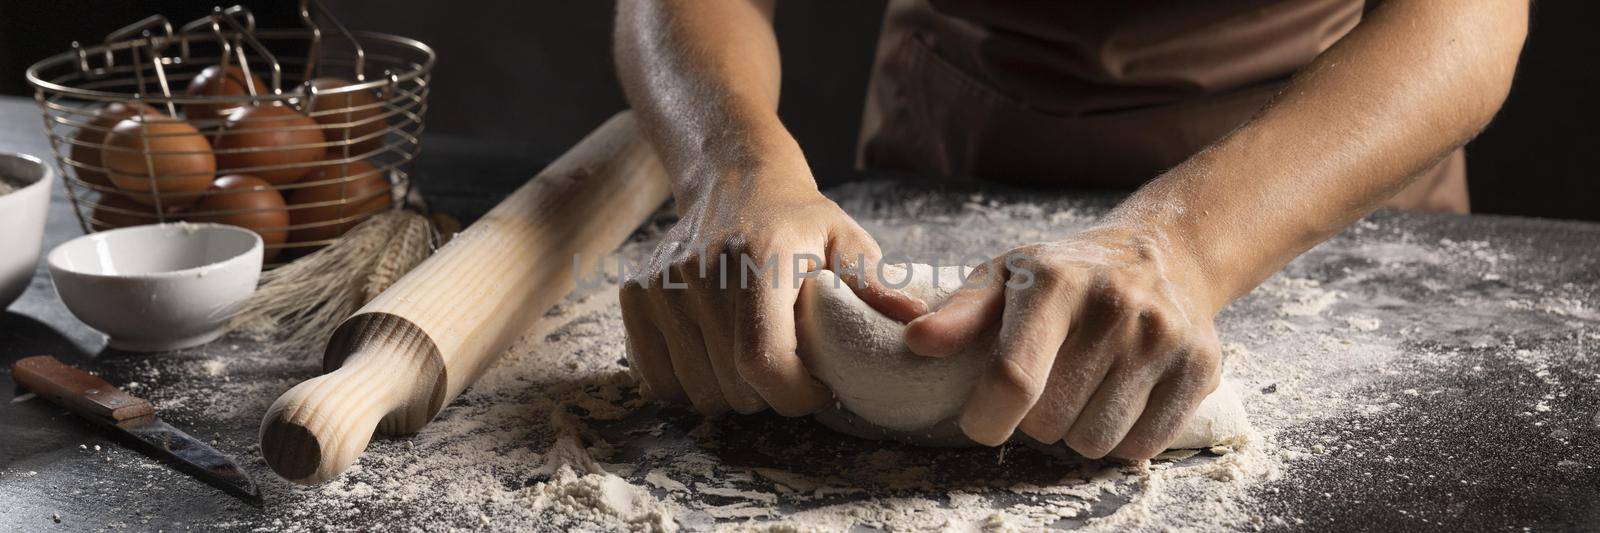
x=601, y=498
x=1363, y=323
x=1302, y=297
x=555, y=437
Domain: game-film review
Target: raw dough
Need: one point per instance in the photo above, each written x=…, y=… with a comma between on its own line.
x=885, y=391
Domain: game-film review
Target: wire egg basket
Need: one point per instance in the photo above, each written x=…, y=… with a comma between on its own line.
x=306, y=132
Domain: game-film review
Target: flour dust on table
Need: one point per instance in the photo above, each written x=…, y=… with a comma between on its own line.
x=1386, y=328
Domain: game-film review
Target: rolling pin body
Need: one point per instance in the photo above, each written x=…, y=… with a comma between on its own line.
x=398, y=360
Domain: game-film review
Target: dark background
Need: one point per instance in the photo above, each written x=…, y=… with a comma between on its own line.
x=522, y=81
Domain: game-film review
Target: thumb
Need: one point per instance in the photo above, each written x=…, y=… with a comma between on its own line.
x=962, y=317
x=855, y=257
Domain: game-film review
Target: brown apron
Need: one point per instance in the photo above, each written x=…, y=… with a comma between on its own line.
x=1093, y=93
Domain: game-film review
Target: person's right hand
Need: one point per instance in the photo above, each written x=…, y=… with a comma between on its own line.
x=707, y=326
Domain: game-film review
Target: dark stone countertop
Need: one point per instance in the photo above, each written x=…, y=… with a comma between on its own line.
x=1464, y=451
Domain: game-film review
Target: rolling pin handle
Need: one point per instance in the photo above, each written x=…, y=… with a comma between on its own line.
x=391, y=381
x=318, y=428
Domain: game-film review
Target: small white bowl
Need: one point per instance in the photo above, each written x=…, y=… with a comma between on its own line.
x=158, y=287
x=22, y=214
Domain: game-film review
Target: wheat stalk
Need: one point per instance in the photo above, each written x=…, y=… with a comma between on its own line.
x=413, y=241
x=301, y=303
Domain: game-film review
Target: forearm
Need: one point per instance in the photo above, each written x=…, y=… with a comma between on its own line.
x=1411, y=83
x=703, y=76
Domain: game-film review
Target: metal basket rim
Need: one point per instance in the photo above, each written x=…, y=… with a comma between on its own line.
x=39, y=83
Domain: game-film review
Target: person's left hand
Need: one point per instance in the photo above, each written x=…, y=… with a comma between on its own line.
x=1107, y=341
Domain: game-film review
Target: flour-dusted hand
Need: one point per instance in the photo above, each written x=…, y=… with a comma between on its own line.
x=1102, y=343
x=703, y=77
x=710, y=319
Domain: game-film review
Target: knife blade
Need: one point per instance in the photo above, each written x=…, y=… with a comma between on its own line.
x=132, y=417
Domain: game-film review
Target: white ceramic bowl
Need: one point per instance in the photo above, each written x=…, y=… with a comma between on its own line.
x=158, y=287
x=22, y=215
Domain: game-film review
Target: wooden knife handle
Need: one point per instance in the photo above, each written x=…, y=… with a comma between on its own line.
x=402, y=357
x=78, y=391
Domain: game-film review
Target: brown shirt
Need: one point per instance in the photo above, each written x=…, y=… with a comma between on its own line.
x=1096, y=93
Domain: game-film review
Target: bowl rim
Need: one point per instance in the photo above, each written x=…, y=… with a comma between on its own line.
x=54, y=258
x=45, y=178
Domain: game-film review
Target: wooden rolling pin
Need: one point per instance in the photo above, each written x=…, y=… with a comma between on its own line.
x=392, y=365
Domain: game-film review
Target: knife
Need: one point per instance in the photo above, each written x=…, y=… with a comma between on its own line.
x=102, y=403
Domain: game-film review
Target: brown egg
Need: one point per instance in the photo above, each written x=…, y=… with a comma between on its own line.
x=214, y=82
x=180, y=162
x=257, y=138
x=362, y=188
x=114, y=211
x=248, y=202
x=89, y=138
x=351, y=115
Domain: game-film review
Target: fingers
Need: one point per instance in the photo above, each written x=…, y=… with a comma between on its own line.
x=1092, y=347
x=647, y=353
x=856, y=257
x=1078, y=371
x=719, y=347
x=686, y=348
x=704, y=311
x=1035, y=325
x=764, y=347
x=1171, y=405
x=962, y=317
x=1112, y=411
x=720, y=344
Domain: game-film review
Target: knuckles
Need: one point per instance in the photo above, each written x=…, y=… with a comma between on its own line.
x=1203, y=366
x=1016, y=380
x=700, y=264
x=1112, y=293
